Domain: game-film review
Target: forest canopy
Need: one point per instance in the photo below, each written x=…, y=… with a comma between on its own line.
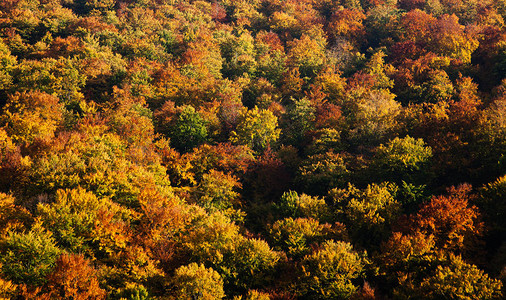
x=252, y=149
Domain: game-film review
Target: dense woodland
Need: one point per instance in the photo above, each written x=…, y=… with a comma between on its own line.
x=252, y=149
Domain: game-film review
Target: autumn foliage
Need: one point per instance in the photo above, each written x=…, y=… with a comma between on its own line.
x=252, y=149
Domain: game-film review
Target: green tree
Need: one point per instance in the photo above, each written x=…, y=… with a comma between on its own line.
x=251, y=264
x=256, y=295
x=368, y=212
x=27, y=258
x=298, y=236
x=299, y=121
x=215, y=241
x=321, y=172
x=294, y=205
x=7, y=288
x=98, y=161
x=189, y=130
x=403, y=159
x=271, y=58
x=326, y=139
x=438, y=86
x=13, y=217
x=381, y=23
x=7, y=63
x=493, y=202
x=59, y=77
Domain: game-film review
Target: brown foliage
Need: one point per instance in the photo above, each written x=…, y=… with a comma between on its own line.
x=451, y=219
x=347, y=23
x=72, y=278
x=268, y=177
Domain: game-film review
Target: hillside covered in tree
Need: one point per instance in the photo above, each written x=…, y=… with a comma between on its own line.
x=252, y=149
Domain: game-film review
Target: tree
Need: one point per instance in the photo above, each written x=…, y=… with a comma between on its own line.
x=421, y=77
x=159, y=216
x=405, y=159
x=7, y=288
x=307, y=54
x=12, y=163
x=129, y=117
x=217, y=191
x=215, y=241
x=326, y=139
x=405, y=259
x=372, y=117
x=321, y=172
x=13, y=217
x=282, y=22
x=369, y=213
x=411, y=5
x=190, y=167
x=271, y=58
x=449, y=38
x=291, y=83
x=491, y=131
x=381, y=23
x=243, y=13
x=416, y=25
x=28, y=116
x=348, y=23
x=100, y=5
x=294, y=205
x=72, y=218
x=98, y=161
x=189, y=130
x=454, y=222
x=438, y=86
x=492, y=199
x=379, y=70
x=7, y=63
x=416, y=268
x=73, y=277
x=329, y=272
x=332, y=83
x=239, y=55
x=27, y=258
x=299, y=121
x=256, y=295
x=457, y=279
x=58, y=77
x=298, y=236
x=258, y=129
x=251, y=264
x=267, y=178
x=195, y=281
